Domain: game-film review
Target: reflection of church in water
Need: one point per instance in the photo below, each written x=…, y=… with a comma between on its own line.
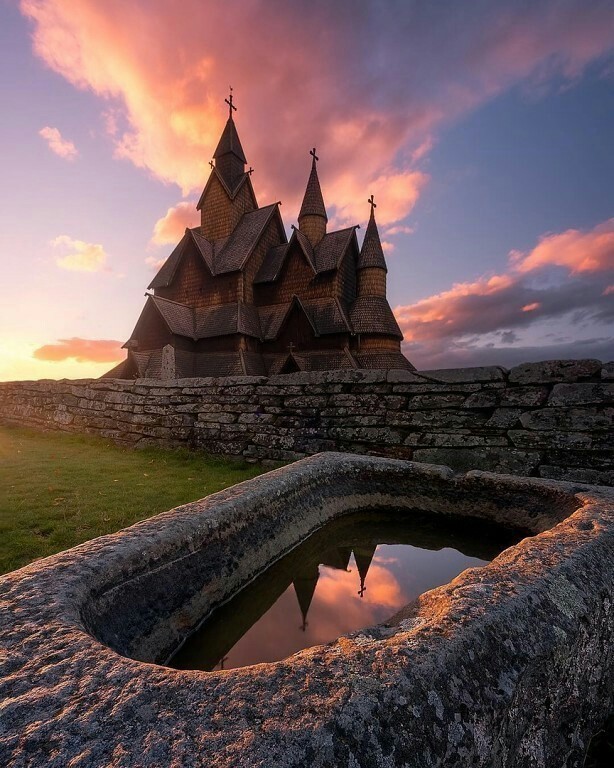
x=339, y=558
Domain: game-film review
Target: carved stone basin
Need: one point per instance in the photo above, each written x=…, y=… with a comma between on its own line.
x=509, y=664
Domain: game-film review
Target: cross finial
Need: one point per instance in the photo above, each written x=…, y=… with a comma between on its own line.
x=211, y=164
x=372, y=203
x=362, y=589
x=291, y=346
x=231, y=106
x=251, y=170
x=313, y=154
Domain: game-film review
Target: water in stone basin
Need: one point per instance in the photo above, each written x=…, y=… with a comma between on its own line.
x=352, y=573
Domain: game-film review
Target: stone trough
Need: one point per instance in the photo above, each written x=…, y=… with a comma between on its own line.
x=507, y=665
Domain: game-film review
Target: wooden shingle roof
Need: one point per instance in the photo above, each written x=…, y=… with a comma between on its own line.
x=313, y=202
x=228, y=254
x=226, y=319
x=372, y=314
x=326, y=315
x=178, y=317
x=244, y=238
x=229, y=142
x=331, y=249
x=371, y=253
x=272, y=264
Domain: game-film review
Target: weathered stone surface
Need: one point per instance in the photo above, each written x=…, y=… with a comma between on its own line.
x=466, y=410
x=426, y=402
x=582, y=394
x=550, y=371
x=396, y=376
x=525, y=396
x=607, y=372
x=578, y=474
x=571, y=419
x=509, y=665
x=525, y=438
x=504, y=418
x=460, y=375
x=493, y=459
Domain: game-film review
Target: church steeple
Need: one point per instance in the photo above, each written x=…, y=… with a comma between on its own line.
x=371, y=264
x=228, y=193
x=229, y=156
x=312, y=218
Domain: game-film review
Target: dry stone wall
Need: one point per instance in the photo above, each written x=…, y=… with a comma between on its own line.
x=551, y=419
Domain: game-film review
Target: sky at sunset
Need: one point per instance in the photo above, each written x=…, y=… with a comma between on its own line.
x=483, y=129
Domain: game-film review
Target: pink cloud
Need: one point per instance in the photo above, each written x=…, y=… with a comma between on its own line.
x=79, y=256
x=576, y=251
x=163, y=75
x=82, y=350
x=62, y=147
x=513, y=299
x=170, y=228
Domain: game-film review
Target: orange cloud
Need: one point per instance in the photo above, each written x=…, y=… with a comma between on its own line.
x=170, y=228
x=163, y=75
x=82, y=350
x=62, y=147
x=577, y=251
x=79, y=256
x=531, y=307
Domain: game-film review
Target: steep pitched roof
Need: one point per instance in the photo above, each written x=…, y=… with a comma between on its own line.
x=313, y=202
x=371, y=253
x=229, y=142
x=231, y=191
x=309, y=361
x=178, y=317
x=166, y=272
x=331, y=249
x=243, y=239
x=226, y=319
x=372, y=314
x=225, y=255
x=384, y=360
x=271, y=319
x=326, y=315
x=272, y=264
x=218, y=364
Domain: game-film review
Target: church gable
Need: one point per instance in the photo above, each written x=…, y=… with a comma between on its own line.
x=221, y=209
x=191, y=278
x=151, y=331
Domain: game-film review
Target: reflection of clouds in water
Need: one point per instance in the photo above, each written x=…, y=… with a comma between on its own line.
x=396, y=576
x=382, y=586
x=418, y=570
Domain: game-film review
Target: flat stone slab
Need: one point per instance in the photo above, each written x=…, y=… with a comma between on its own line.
x=507, y=665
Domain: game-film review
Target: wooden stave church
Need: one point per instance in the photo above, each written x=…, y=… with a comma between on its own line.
x=236, y=297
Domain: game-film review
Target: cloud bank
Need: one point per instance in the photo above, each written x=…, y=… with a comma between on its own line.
x=370, y=84
x=565, y=274
x=81, y=350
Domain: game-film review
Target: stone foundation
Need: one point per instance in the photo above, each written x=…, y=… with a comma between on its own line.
x=507, y=666
x=551, y=419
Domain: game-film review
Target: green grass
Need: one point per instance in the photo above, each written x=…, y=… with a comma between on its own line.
x=58, y=490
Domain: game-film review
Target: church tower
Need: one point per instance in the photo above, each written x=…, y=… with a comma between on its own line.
x=312, y=218
x=371, y=267
x=228, y=193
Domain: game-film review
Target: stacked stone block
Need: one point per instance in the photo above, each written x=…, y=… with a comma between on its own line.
x=551, y=419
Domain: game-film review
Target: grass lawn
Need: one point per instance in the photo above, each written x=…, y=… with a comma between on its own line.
x=57, y=489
